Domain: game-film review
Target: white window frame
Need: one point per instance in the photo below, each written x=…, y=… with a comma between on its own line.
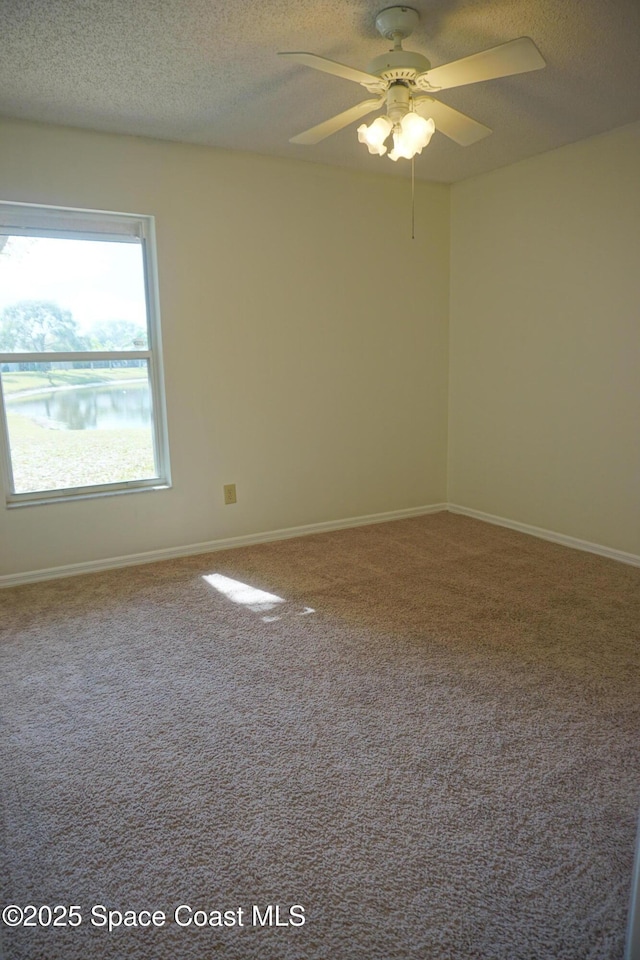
x=28, y=219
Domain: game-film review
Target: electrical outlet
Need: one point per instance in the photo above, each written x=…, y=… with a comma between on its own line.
x=230, y=493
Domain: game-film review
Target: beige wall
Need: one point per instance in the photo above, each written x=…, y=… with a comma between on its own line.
x=305, y=339
x=306, y=350
x=545, y=342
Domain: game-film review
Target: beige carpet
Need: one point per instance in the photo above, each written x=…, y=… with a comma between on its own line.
x=431, y=744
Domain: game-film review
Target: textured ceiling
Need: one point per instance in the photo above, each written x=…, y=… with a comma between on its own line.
x=206, y=71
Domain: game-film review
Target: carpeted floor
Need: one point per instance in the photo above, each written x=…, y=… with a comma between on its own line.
x=427, y=737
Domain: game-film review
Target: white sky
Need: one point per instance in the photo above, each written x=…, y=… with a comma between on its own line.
x=95, y=280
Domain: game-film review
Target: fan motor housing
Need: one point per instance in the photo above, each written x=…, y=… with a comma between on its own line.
x=398, y=65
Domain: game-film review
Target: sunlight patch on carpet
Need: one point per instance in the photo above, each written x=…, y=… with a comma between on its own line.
x=257, y=600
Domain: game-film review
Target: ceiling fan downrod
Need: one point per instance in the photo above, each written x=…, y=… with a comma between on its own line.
x=396, y=24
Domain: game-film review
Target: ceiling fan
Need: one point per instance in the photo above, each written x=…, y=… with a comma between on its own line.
x=403, y=82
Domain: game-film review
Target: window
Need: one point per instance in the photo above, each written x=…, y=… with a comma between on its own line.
x=81, y=398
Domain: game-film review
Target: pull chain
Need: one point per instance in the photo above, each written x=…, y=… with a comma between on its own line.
x=413, y=199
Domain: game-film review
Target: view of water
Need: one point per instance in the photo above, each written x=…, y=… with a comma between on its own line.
x=104, y=407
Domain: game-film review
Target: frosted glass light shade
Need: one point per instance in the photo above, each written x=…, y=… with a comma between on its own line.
x=375, y=134
x=410, y=136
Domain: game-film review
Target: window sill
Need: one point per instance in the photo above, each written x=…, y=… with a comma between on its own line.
x=39, y=500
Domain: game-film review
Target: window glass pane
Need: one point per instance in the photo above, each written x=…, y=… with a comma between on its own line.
x=74, y=424
x=62, y=295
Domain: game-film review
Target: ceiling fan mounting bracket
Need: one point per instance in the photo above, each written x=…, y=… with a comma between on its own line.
x=396, y=23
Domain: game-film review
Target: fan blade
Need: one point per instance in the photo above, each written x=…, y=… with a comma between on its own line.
x=325, y=129
x=337, y=69
x=455, y=125
x=516, y=56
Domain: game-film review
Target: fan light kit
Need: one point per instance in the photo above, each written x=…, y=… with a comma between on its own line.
x=402, y=82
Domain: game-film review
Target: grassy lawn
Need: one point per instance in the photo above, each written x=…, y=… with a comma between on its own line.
x=36, y=380
x=45, y=459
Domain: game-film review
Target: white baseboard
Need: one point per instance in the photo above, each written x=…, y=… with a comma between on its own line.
x=566, y=541
x=212, y=546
